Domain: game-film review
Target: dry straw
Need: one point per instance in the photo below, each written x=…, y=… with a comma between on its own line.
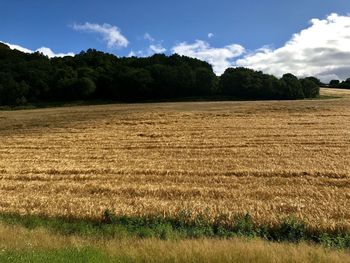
x=271, y=159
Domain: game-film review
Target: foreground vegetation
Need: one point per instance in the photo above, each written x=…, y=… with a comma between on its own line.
x=183, y=227
x=93, y=75
x=34, y=239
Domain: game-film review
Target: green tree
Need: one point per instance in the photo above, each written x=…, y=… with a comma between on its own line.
x=295, y=89
x=205, y=82
x=243, y=83
x=137, y=83
x=316, y=81
x=11, y=91
x=310, y=88
x=334, y=82
x=83, y=88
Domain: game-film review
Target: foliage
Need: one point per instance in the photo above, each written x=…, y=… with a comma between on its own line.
x=94, y=75
x=113, y=226
x=340, y=85
x=310, y=88
x=292, y=230
x=250, y=84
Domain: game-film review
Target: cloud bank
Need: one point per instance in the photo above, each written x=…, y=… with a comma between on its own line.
x=110, y=34
x=43, y=50
x=219, y=58
x=322, y=50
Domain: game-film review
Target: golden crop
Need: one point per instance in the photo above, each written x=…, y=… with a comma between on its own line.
x=271, y=159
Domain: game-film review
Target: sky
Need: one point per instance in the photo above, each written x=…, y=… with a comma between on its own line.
x=303, y=37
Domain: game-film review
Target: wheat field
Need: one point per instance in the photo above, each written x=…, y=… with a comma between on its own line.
x=271, y=159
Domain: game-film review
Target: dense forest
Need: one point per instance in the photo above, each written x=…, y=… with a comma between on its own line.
x=94, y=75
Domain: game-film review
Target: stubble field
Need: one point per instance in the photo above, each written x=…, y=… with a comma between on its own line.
x=271, y=159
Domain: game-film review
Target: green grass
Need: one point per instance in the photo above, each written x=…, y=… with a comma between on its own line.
x=153, y=250
x=84, y=255
x=325, y=97
x=126, y=239
x=156, y=253
x=119, y=227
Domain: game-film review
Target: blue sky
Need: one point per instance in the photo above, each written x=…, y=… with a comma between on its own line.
x=71, y=26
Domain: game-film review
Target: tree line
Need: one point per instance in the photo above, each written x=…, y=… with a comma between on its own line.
x=340, y=84
x=94, y=75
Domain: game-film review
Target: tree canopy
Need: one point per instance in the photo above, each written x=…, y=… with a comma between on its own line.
x=340, y=85
x=94, y=75
x=250, y=84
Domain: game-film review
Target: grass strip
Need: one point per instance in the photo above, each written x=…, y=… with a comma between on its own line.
x=182, y=227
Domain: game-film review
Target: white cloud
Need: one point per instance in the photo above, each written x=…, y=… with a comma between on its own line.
x=322, y=50
x=131, y=54
x=219, y=58
x=158, y=48
x=148, y=37
x=17, y=47
x=48, y=52
x=151, y=50
x=44, y=50
x=211, y=35
x=111, y=34
x=155, y=47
